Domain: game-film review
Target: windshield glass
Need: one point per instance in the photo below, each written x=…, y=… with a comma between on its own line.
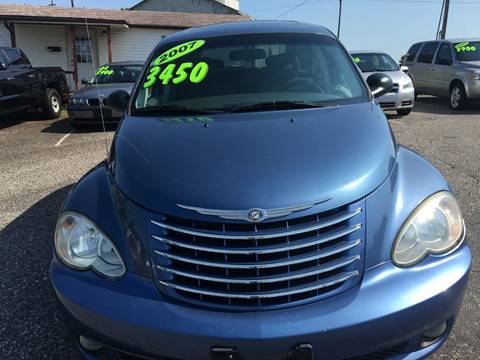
x=373, y=62
x=235, y=72
x=468, y=51
x=114, y=73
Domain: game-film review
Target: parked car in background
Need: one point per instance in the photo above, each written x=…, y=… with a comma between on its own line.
x=87, y=107
x=446, y=68
x=23, y=87
x=255, y=205
x=402, y=97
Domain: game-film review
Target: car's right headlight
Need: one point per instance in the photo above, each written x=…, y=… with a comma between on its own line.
x=435, y=227
x=80, y=244
x=476, y=75
x=79, y=101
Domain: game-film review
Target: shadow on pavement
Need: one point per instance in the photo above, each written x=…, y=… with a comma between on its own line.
x=441, y=106
x=31, y=325
x=63, y=126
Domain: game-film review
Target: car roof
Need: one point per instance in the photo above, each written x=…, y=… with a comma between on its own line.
x=367, y=52
x=248, y=27
x=127, y=63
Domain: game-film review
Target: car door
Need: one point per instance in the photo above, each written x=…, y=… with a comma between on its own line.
x=442, y=68
x=409, y=60
x=9, y=96
x=424, y=68
x=24, y=77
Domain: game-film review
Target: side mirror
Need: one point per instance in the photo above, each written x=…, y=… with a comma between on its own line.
x=404, y=68
x=84, y=82
x=3, y=66
x=380, y=84
x=118, y=100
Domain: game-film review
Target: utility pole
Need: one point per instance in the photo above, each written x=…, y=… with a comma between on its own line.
x=443, y=32
x=73, y=4
x=52, y=3
x=339, y=18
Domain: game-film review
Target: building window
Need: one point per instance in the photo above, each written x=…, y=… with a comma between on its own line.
x=82, y=48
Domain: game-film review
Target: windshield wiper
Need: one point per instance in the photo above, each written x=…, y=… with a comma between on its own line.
x=273, y=105
x=176, y=109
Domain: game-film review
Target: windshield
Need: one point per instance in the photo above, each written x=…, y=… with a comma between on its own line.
x=114, y=73
x=468, y=51
x=373, y=62
x=235, y=72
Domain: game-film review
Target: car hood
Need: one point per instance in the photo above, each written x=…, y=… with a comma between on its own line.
x=471, y=64
x=90, y=91
x=398, y=77
x=254, y=160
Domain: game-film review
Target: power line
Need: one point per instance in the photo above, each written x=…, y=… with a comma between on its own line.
x=292, y=9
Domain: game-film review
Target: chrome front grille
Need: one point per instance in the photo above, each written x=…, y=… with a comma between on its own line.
x=271, y=264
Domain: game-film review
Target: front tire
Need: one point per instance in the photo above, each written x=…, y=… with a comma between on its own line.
x=458, y=97
x=404, y=112
x=53, y=104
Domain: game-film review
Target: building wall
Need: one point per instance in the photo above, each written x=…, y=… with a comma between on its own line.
x=190, y=6
x=34, y=39
x=130, y=44
x=4, y=36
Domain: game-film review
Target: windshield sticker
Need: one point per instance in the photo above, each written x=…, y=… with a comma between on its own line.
x=357, y=59
x=465, y=47
x=178, y=51
x=177, y=74
x=104, y=70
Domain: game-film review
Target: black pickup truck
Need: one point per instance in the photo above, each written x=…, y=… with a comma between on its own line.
x=23, y=87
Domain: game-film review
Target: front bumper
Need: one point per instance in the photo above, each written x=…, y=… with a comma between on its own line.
x=86, y=114
x=404, y=99
x=472, y=88
x=391, y=306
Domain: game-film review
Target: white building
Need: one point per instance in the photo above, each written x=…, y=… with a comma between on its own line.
x=192, y=6
x=57, y=36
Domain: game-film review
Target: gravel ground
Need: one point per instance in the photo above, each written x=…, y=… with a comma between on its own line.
x=40, y=160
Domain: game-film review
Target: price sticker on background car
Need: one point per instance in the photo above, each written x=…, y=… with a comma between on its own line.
x=104, y=70
x=465, y=47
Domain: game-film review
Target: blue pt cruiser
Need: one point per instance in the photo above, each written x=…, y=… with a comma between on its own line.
x=255, y=205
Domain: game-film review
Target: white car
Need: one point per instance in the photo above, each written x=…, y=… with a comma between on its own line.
x=402, y=96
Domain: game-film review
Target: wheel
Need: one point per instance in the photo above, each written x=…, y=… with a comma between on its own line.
x=53, y=104
x=458, y=97
x=404, y=112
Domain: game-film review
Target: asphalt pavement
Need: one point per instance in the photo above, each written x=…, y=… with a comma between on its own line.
x=40, y=160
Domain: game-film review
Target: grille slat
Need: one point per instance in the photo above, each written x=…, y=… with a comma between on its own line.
x=266, y=295
x=266, y=264
x=317, y=240
x=333, y=220
x=272, y=264
x=266, y=279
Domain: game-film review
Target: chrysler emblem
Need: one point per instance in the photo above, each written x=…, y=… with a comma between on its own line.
x=256, y=215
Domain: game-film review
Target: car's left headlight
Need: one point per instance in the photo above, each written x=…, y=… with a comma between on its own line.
x=80, y=244
x=435, y=227
x=408, y=84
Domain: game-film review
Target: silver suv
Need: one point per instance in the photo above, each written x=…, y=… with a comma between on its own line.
x=446, y=68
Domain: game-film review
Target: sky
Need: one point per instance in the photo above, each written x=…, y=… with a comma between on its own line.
x=388, y=25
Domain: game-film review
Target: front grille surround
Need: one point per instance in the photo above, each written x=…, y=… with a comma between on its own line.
x=238, y=265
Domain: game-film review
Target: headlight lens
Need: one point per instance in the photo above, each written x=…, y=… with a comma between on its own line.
x=476, y=75
x=79, y=101
x=408, y=84
x=435, y=227
x=82, y=245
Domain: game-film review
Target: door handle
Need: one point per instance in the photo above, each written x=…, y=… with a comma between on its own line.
x=31, y=76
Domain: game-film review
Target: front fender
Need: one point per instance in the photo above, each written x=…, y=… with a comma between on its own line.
x=97, y=198
x=388, y=207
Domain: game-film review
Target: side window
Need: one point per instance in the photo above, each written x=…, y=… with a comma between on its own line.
x=426, y=55
x=444, y=55
x=15, y=57
x=413, y=52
